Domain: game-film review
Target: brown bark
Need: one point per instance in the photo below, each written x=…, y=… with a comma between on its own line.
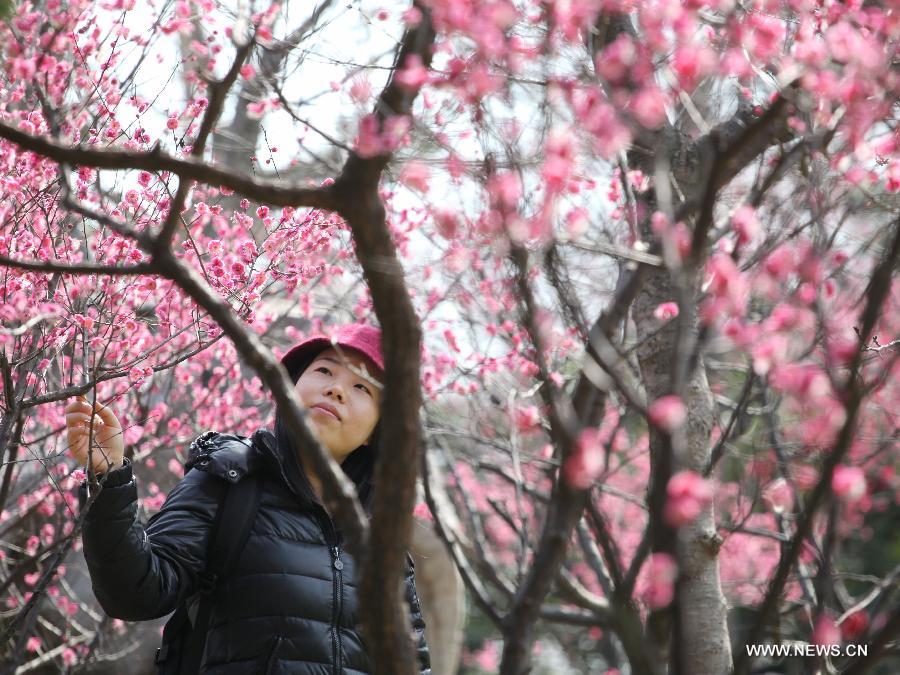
x=704, y=640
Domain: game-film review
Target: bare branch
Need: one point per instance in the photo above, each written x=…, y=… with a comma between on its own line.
x=276, y=193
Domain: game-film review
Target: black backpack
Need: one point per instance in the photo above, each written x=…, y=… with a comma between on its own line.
x=184, y=636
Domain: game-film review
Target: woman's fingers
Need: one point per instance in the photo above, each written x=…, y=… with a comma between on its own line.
x=78, y=406
x=107, y=415
x=77, y=418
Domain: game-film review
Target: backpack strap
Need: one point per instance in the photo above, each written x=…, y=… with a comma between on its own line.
x=235, y=516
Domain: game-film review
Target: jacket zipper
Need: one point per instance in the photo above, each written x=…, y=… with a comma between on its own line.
x=338, y=566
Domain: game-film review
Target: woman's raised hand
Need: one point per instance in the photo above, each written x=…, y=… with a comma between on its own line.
x=108, y=442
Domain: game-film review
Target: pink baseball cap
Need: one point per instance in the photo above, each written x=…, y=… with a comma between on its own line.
x=362, y=337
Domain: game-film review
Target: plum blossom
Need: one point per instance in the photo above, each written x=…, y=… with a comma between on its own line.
x=826, y=631
x=416, y=176
x=780, y=263
x=527, y=418
x=692, y=63
x=413, y=75
x=368, y=139
x=585, y=464
x=779, y=496
x=447, y=223
x=559, y=153
x=69, y=656
x=615, y=61
x=659, y=572
x=649, y=107
x=666, y=311
x=854, y=625
x=667, y=413
x=675, y=237
x=505, y=190
x=746, y=224
x=360, y=89
x=688, y=494
x=848, y=483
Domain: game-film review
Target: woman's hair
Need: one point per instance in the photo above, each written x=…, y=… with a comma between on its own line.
x=359, y=465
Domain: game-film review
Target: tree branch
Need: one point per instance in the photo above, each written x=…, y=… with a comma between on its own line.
x=879, y=286
x=276, y=193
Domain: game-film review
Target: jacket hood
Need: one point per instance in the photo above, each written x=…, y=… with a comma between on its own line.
x=225, y=455
x=231, y=457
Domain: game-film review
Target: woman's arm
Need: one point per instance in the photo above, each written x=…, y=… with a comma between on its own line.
x=418, y=623
x=144, y=573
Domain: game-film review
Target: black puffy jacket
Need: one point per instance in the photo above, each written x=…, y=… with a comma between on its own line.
x=287, y=608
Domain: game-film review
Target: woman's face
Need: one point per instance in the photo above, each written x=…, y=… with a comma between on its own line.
x=328, y=383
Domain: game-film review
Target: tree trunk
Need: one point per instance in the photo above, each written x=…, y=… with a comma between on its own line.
x=704, y=645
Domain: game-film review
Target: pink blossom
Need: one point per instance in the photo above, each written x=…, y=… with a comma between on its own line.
x=505, y=190
x=782, y=317
x=765, y=40
x=559, y=153
x=892, y=177
x=85, y=322
x=69, y=656
x=413, y=75
x=447, y=223
x=692, y=63
x=854, y=625
x=727, y=284
x=172, y=123
x=688, y=494
x=257, y=109
x=33, y=644
x=368, y=140
x=527, y=418
x=395, y=132
x=779, y=496
x=667, y=413
x=361, y=89
x=488, y=657
x=615, y=61
x=422, y=512
x=175, y=467
x=416, y=175
x=780, y=263
x=23, y=69
x=659, y=573
x=247, y=71
x=585, y=464
x=770, y=351
x=842, y=350
x=577, y=222
x=649, y=107
x=412, y=16
x=746, y=224
x=676, y=237
x=238, y=269
x=848, y=483
x=481, y=82
x=826, y=631
x=666, y=311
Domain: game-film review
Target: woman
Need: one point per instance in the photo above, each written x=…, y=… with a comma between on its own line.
x=290, y=605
